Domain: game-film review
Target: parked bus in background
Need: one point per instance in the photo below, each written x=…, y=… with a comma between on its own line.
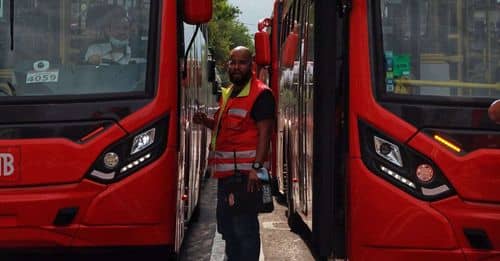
x=101, y=153
x=385, y=150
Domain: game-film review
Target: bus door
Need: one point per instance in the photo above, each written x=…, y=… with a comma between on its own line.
x=327, y=70
x=306, y=118
x=296, y=101
x=302, y=152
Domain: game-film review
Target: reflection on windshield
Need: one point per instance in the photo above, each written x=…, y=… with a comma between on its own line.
x=74, y=47
x=442, y=48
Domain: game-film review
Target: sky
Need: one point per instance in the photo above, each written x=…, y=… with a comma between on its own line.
x=252, y=11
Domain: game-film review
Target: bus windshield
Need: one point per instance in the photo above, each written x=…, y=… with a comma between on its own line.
x=441, y=48
x=73, y=48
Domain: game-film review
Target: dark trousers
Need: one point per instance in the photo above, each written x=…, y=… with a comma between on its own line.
x=239, y=228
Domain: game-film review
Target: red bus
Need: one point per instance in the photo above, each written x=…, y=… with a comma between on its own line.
x=384, y=147
x=101, y=155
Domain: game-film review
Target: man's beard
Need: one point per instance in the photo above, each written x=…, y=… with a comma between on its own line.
x=241, y=81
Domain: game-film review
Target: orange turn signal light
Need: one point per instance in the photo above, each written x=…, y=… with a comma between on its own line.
x=447, y=143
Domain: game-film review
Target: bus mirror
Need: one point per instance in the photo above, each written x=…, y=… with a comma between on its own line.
x=197, y=11
x=290, y=50
x=494, y=111
x=262, y=48
x=211, y=71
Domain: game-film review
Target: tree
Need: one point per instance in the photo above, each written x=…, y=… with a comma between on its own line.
x=226, y=32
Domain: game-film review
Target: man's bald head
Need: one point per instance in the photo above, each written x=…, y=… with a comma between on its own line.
x=240, y=65
x=241, y=50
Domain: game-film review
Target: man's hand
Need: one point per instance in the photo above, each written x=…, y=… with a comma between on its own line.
x=94, y=59
x=253, y=184
x=199, y=118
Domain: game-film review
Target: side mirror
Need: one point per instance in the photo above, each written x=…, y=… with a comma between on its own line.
x=263, y=43
x=211, y=70
x=494, y=111
x=290, y=50
x=197, y=11
x=262, y=48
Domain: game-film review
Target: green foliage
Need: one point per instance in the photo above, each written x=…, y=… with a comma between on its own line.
x=226, y=32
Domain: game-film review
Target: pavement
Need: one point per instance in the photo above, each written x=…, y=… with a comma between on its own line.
x=199, y=238
x=202, y=242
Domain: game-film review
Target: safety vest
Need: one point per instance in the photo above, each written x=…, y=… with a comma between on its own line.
x=235, y=137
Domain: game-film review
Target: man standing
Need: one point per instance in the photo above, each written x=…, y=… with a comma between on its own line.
x=241, y=132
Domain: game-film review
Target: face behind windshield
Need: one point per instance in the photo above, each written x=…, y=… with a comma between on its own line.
x=73, y=48
x=442, y=48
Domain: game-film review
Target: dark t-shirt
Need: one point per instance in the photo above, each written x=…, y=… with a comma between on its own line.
x=264, y=106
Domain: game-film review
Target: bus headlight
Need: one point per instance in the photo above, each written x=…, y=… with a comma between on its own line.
x=111, y=160
x=401, y=165
x=387, y=151
x=143, y=140
x=131, y=153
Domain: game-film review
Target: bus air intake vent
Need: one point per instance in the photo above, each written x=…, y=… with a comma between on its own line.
x=477, y=238
x=65, y=216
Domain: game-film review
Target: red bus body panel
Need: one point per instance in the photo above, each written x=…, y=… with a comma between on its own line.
x=55, y=161
x=475, y=176
x=138, y=210
x=382, y=221
x=385, y=223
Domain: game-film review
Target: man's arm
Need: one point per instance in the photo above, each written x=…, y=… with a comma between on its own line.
x=265, y=128
x=263, y=112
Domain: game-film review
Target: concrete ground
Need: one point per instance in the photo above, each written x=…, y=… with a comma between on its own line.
x=278, y=242
x=202, y=242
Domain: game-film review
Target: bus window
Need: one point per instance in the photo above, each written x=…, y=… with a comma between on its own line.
x=77, y=47
x=458, y=58
x=1, y=9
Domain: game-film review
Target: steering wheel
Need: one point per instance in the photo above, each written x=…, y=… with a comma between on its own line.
x=7, y=89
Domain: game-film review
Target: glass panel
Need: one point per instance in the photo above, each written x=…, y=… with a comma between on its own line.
x=442, y=47
x=74, y=47
x=1, y=9
x=308, y=67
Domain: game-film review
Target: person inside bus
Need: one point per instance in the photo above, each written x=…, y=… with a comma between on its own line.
x=116, y=50
x=241, y=130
